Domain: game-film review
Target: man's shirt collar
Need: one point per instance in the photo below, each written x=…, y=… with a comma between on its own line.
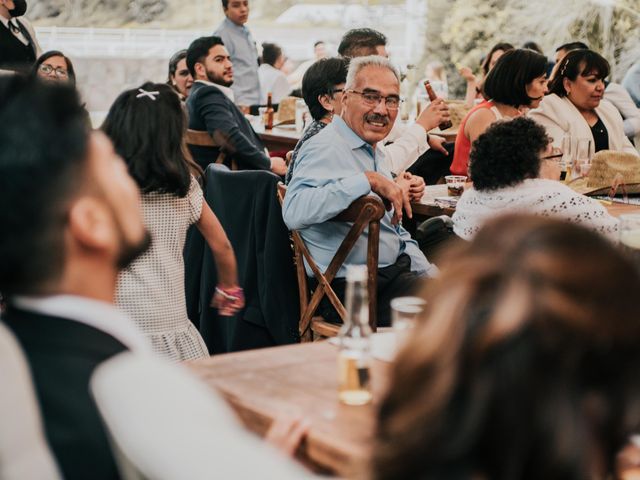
x=352, y=139
x=226, y=90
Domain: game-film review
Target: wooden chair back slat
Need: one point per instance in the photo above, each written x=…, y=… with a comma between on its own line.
x=200, y=138
x=364, y=213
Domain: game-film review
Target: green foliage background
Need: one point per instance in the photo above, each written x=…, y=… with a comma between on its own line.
x=461, y=32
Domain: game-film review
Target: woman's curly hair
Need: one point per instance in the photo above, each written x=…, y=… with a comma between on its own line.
x=507, y=153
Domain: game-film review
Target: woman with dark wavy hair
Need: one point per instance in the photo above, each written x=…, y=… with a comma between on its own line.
x=510, y=175
x=525, y=363
x=147, y=127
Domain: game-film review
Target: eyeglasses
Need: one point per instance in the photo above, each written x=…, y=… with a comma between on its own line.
x=48, y=70
x=392, y=102
x=336, y=90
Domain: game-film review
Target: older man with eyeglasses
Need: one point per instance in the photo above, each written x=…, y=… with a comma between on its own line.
x=344, y=162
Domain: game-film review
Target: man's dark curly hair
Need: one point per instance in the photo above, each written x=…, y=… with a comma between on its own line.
x=507, y=153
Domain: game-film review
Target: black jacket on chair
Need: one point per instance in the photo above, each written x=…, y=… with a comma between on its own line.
x=62, y=356
x=212, y=111
x=247, y=206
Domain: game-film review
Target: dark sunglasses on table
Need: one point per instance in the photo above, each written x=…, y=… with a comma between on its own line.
x=48, y=69
x=372, y=99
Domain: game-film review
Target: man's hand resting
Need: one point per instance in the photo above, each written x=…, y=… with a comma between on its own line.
x=392, y=193
x=278, y=166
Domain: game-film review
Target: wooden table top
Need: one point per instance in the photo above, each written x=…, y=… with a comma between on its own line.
x=426, y=207
x=278, y=138
x=298, y=380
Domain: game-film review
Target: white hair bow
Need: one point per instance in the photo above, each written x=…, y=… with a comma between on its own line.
x=144, y=93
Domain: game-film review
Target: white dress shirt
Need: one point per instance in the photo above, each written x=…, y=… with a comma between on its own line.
x=274, y=81
x=102, y=316
x=226, y=90
x=406, y=144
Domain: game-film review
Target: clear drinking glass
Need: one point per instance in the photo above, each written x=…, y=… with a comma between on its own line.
x=455, y=185
x=405, y=312
x=583, y=156
x=567, y=156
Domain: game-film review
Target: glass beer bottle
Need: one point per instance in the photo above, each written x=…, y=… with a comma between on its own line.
x=268, y=120
x=354, y=359
x=432, y=96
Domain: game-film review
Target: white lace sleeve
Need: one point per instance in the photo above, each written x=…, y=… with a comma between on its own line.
x=582, y=210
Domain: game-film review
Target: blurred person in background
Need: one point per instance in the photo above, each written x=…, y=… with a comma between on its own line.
x=575, y=105
x=518, y=81
x=272, y=79
x=54, y=66
x=474, y=84
x=319, y=52
x=512, y=372
x=435, y=73
x=531, y=45
x=243, y=52
x=179, y=76
x=361, y=42
x=631, y=82
x=19, y=46
x=615, y=93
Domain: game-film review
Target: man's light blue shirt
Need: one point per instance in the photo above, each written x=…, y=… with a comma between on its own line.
x=244, y=56
x=327, y=177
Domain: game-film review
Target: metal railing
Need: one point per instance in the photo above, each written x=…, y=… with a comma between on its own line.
x=116, y=42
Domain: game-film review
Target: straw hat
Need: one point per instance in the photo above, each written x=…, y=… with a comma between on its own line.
x=605, y=167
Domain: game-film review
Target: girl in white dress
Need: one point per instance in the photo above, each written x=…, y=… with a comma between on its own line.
x=147, y=127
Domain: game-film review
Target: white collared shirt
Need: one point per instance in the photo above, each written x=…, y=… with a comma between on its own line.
x=274, y=81
x=102, y=316
x=226, y=90
x=19, y=35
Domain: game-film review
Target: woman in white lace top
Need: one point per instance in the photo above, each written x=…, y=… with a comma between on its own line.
x=505, y=168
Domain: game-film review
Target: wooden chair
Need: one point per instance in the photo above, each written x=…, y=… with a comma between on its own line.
x=364, y=212
x=200, y=138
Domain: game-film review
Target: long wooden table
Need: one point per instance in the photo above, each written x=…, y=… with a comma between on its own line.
x=278, y=138
x=298, y=380
x=427, y=207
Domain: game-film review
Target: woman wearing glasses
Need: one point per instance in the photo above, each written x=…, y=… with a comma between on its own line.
x=54, y=66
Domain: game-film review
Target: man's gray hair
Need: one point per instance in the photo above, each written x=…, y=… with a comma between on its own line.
x=358, y=63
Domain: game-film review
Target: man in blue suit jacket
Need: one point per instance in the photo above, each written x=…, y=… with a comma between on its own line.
x=211, y=108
